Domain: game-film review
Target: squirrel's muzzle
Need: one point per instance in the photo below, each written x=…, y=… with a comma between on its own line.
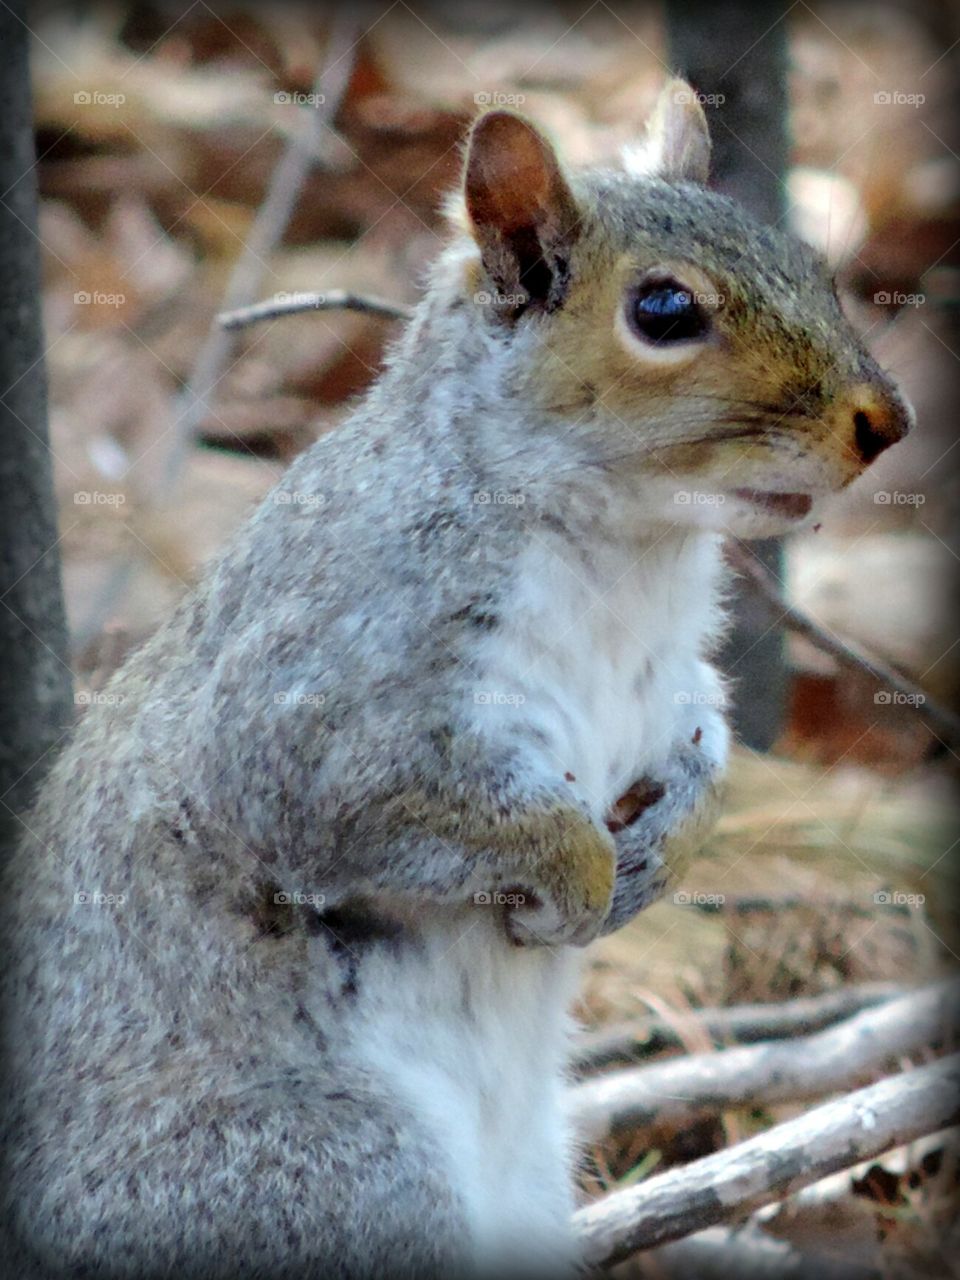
x=879, y=417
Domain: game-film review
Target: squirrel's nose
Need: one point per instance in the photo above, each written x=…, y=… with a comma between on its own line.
x=880, y=418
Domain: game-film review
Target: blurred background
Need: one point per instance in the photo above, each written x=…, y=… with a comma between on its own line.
x=160, y=129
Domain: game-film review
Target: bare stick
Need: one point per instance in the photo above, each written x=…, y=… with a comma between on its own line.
x=267, y=230
x=944, y=721
x=731, y=1183
x=749, y=1254
x=831, y=1203
x=293, y=304
x=668, y=1095
x=746, y=1023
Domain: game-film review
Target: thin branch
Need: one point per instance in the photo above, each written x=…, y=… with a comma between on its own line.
x=825, y=1205
x=267, y=231
x=846, y=652
x=666, y=1096
x=294, y=304
x=745, y=1023
x=269, y=225
x=729, y=1184
x=749, y=1254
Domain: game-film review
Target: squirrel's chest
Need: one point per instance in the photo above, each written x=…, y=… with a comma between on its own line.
x=597, y=656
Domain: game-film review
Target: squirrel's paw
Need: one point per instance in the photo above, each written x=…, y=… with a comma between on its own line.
x=566, y=902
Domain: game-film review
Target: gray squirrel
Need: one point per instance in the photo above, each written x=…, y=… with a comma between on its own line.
x=298, y=916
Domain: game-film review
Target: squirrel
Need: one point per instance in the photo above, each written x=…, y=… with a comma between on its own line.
x=299, y=911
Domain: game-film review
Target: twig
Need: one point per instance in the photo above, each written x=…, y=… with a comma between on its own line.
x=827, y=1204
x=742, y=905
x=940, y=718
x=267, y=230
x=747, y=1253
x=745, y=1023
x=294, y=304
x=245, y=280
x=729, y=1184
x=665, y=1096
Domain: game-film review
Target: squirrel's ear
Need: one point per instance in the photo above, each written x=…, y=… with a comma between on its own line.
x=677, y=143
x=520, y=209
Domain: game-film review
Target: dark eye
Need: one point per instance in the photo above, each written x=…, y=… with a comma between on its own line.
x=666, y=311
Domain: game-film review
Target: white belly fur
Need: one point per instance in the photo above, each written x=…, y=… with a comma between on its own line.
x=472, y=1033
x=605, y=660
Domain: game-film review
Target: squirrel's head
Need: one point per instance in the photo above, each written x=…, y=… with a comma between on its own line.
x=678, y=341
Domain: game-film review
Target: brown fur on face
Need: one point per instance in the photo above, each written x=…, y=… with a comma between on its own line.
x=773, y=383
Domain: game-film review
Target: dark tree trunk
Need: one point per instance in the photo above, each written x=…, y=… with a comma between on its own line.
x=35, y=684
x=738, y=49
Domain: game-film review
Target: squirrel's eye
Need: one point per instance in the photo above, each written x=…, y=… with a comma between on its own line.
x=666, y=311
